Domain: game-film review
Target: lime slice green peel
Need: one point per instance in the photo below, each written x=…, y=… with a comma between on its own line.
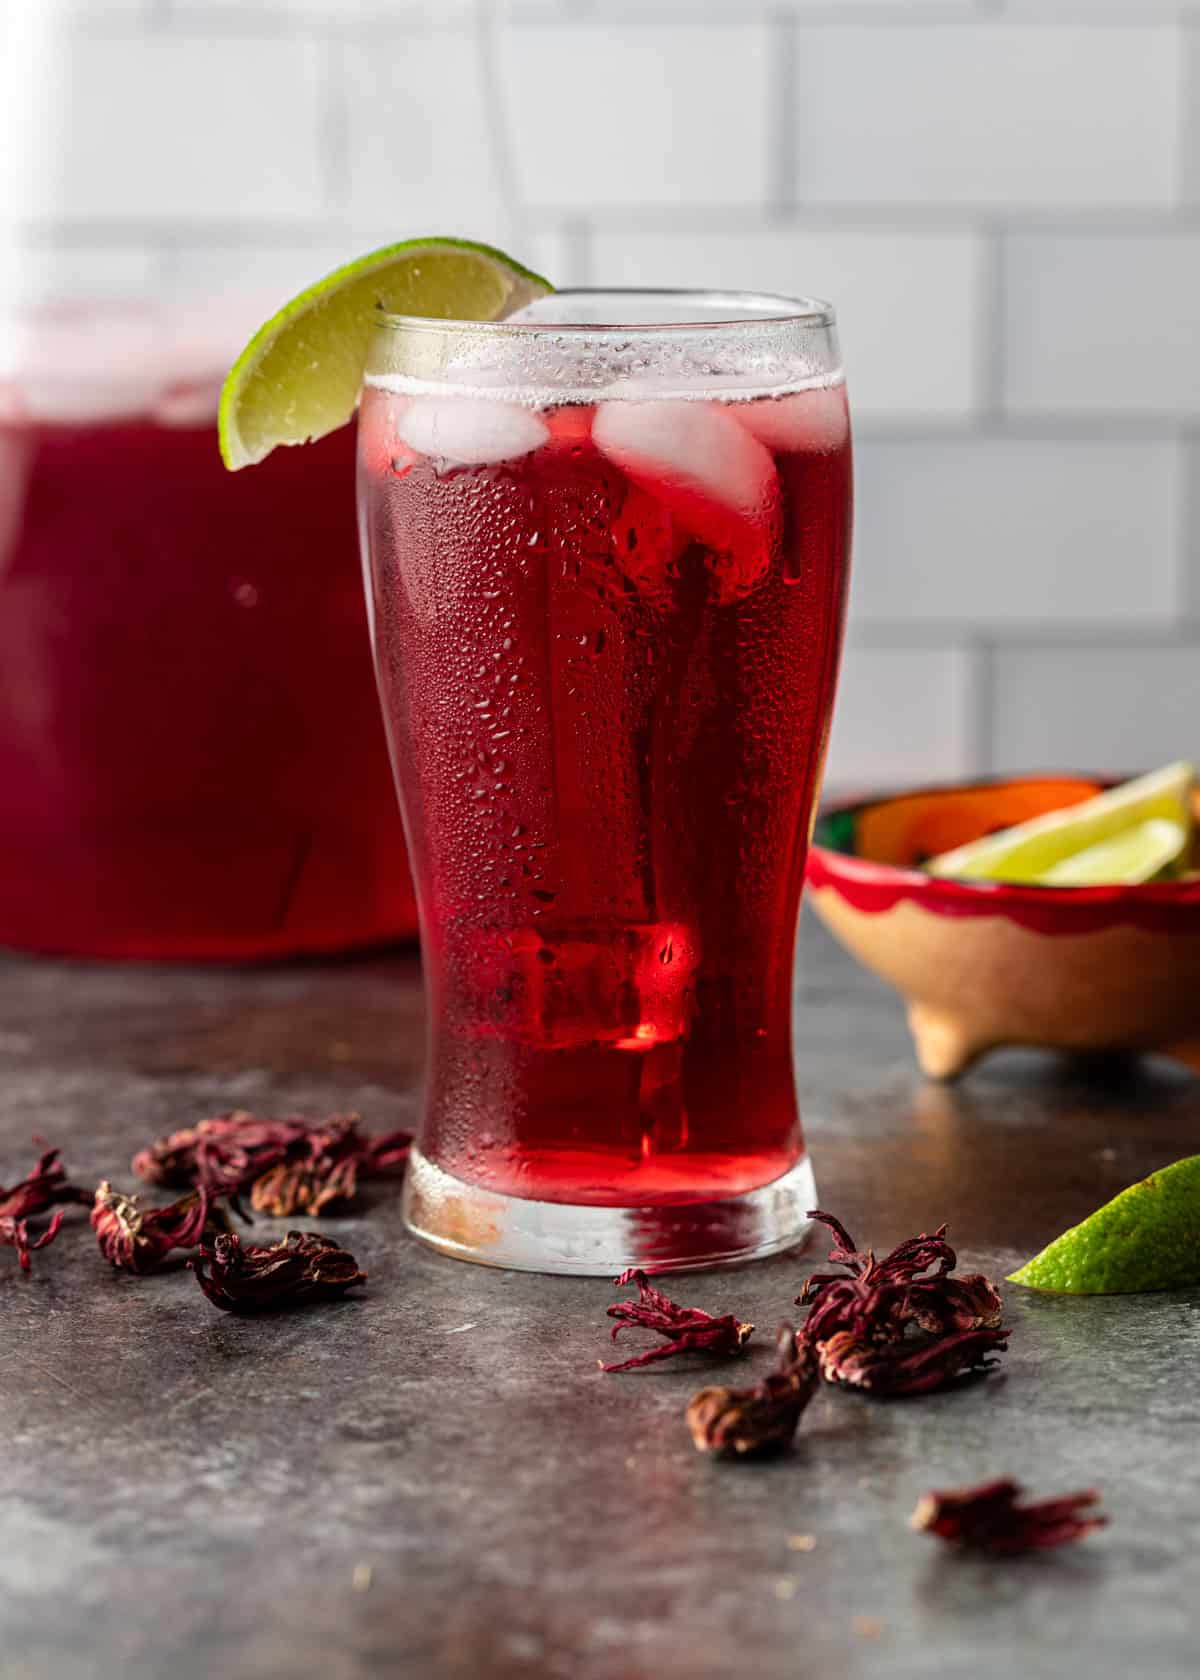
x=300, y=375
x=1146, y=1238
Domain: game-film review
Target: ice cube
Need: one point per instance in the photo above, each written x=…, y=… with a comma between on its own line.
x=470, y=431
x=688, y=452
x=717, y=481
x=811, y=421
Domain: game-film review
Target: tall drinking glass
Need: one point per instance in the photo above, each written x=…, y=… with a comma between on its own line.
x=607, y=547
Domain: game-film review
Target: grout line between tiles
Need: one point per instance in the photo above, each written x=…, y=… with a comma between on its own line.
x=577, y=238
x=1187, y=132
x=1187, y=538
x=782, y=93
x=489, y=55
x=981, y=707
x=333, y=122
x=926, y=634
x=992, y=348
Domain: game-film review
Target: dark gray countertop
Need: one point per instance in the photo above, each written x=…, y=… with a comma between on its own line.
x=434, y=1480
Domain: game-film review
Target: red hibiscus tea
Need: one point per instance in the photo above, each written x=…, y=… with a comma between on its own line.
x=609, y=572
x=191, y=756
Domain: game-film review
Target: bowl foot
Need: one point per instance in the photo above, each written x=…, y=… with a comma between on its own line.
x=944, y=1044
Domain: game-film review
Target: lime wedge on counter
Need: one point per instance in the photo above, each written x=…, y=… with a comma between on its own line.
x=1138, y=854
x=1148, y=1237
x=1032, y=849
x=300, y=375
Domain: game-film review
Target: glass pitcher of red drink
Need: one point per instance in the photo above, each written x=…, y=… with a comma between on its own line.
x=192, y=762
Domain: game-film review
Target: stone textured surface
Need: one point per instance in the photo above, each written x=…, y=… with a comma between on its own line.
x=433, y=1480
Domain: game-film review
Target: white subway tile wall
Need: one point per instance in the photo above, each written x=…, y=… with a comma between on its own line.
x=606, y=118
x=163, y=131
x=1094, y=708
x=76, y=9
x=413, y=133
x=914, y=338
x=905, y=716
x=195, y=269
x=1000, y=195
x=306, y=11
x=1076, y=11
x=996, y=532
x=32, y=272
x=930, y=114
x=1102, y=323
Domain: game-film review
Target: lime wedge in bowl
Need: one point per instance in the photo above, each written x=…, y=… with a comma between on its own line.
x=1032, y=850
x=1136, y=854
x=300, y=375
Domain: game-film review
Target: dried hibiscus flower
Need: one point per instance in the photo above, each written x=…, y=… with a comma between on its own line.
x=45, y=1185
x=320, y=1168
x=888, y=1329
x=287, y=1165
x=945, y=1304
x=249, y=1279
x=385, y=1155
x=909, y=1366
x=687, y=1329
x=139, y=1240
x=223, y=1155
x=14, y=1233
x=988, y=1518
x=762, y=1419
x=888, y=1295
x=324, y=1167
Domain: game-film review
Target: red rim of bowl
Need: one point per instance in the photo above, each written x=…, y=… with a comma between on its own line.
x=1159, y=906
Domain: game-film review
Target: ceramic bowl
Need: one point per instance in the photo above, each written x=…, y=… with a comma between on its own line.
x=984, y=963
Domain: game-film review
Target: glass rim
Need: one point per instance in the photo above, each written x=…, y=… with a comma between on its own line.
x=771, y=310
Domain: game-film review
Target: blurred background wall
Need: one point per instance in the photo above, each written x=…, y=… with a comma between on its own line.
x=1001, y=196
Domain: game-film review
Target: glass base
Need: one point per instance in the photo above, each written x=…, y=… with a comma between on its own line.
x=476, y=1224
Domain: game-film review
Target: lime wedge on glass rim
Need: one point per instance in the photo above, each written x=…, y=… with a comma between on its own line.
x=1146, y=1238
x=1032, y=851
x=300, y=375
